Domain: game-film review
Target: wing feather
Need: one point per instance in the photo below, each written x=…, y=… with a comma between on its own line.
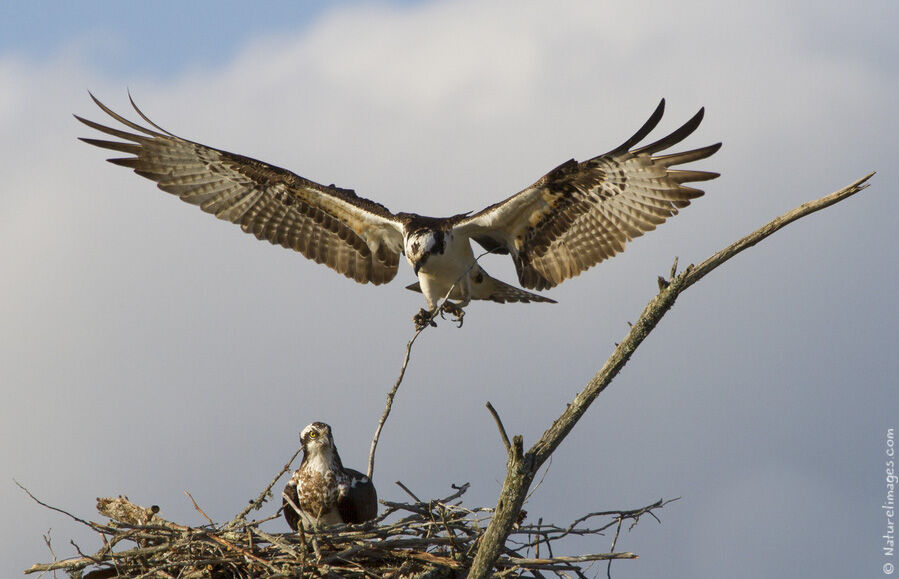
x=356, y=237
x=582, y=213
x=360, y=502
x=290, y=498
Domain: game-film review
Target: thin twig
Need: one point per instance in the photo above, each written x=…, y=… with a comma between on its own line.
x=390, y=396
x=537, y=563
x=199, y=510
x=240, y=550
x=396, y=386
x=257, y=503
x=502, y=429
x=50, y=546
x=408, y=492
x=52, y=508
x=299, y=513
x=614, y=542
x=549, y=464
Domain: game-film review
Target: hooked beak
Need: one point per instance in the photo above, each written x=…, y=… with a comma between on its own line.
x=420, y=262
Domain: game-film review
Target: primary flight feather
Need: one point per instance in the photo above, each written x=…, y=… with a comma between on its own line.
x=572, y=218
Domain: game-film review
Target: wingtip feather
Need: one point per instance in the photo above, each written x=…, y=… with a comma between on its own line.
x=675, y=137
x=647, y=128
x=122, y=119
x=145, y=117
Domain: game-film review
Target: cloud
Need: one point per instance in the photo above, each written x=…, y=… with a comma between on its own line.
x=148, y=348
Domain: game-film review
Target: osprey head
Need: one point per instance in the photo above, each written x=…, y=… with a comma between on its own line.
x=421, y=244
x=316, y=438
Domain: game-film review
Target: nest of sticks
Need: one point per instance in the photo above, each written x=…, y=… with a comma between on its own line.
x=437, y=538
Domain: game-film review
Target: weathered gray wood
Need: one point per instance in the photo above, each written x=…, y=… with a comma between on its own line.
x=523, y=466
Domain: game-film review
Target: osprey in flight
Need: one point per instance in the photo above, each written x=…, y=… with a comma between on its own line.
x=572, y=218
x=321, y=491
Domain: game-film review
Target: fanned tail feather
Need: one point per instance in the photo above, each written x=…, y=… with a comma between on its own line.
x=497, y=291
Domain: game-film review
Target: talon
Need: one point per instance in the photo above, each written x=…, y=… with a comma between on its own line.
x=423, y=319
x=454, y=310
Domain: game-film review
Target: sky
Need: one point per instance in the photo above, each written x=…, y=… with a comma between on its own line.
x=147, y=349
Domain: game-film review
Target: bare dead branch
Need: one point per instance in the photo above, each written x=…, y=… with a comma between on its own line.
x=774, y=225
x=522, y=467
x=502, y=429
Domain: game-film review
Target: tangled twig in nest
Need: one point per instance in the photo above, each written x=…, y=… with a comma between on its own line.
x=435, y=538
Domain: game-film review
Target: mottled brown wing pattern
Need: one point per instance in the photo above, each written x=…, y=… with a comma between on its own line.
x=354, y=236
x=580, y=214
x=290, y=502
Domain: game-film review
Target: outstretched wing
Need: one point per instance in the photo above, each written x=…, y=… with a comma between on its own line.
x=354, y=236
x=579, y=214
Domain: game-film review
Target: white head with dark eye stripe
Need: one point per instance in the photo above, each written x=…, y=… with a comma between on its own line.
x=422, y=244
x=317, y=439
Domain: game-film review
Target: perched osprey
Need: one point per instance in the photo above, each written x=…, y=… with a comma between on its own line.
x=572, y=218
x=321, y=491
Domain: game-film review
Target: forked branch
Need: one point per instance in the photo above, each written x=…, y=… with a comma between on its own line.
x=522, y=468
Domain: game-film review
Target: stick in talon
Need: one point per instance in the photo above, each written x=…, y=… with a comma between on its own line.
x=423, y=319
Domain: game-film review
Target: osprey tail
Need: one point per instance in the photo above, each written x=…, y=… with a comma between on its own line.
x=490, y=288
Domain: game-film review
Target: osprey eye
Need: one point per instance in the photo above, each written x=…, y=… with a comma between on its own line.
x=313, y=434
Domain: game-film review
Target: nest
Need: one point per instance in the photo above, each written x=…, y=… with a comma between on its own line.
x=425, y=539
